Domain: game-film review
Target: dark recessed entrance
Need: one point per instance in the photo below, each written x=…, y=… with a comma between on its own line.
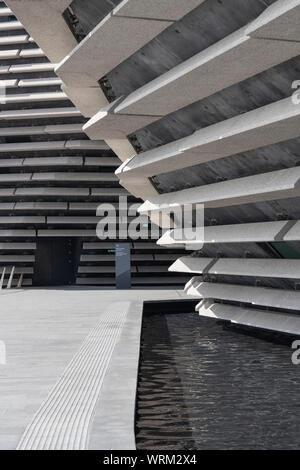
x=56, y=261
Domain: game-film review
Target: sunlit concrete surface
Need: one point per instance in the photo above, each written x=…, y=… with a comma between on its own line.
x=45, y=332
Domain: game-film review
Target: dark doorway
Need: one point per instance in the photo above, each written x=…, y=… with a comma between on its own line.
x=56, y=261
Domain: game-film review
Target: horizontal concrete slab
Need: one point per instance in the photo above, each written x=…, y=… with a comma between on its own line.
x=277, y=268
x=109, y=43
x=237, y=233
x=268, y=297
x=17, y=246
x=109, y=192
x=32, y=97
x=39, y=113
x=283, y=322
x=45, y=22
x=32, y=82
x=52, y=192
x=22, y=220
x=18, y=39
x=66, y=233
x=101, y=161
x=40, y=206
x=68, y=176
x=4, y=11
x=264, y=126
x=10, y=25
x=265, y=187
x=53, y=161
x=36, y=52
x=37, y=130
x=20, y=258
x=31, y=68
x=17, y=233
x=200, y=76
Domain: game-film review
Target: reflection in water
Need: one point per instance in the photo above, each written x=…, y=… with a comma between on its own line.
x=202, y=387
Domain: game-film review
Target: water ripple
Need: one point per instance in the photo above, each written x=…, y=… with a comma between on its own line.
x=203, y=387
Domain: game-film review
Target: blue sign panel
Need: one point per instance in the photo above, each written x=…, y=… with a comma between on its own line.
x=123, y=266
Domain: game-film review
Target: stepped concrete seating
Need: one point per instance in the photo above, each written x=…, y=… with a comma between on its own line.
x=83, y=206
x=100, y=269
x=63, y=176
x=17, y=258
x=108, y=257
x=146, y=246
x=7, y=192
x=101, y=161
x=47, y=204
x=153, y=269
x=25, y=282
x=17, y=233
x=137, y=280
x=109, y=192
x=53, y=161
x=17, y=270
x=17, y=246
x=40, y=206
x=66, y=233
x=6, y=206
x=81, y=220
x=14, y=220
x=53, y=192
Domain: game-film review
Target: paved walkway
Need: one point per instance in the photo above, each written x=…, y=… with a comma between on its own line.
x=69, y=381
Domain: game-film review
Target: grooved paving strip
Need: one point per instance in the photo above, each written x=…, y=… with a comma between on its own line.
x=62, y=422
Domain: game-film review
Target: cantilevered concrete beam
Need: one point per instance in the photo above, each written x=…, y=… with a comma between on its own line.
x=267, y=320
x=269, y=297
x=264, y=126
x=270, y=186
x=229, y=61
x=109, y=44
x=238, y=233
x=274, y=268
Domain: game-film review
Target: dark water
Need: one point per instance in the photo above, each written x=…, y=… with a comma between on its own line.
x=202, y=387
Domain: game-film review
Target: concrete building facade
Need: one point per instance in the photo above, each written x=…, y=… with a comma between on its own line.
x=53, y=178
x=199, y=101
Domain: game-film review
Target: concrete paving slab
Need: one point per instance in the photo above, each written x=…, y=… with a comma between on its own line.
x=43, y=331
